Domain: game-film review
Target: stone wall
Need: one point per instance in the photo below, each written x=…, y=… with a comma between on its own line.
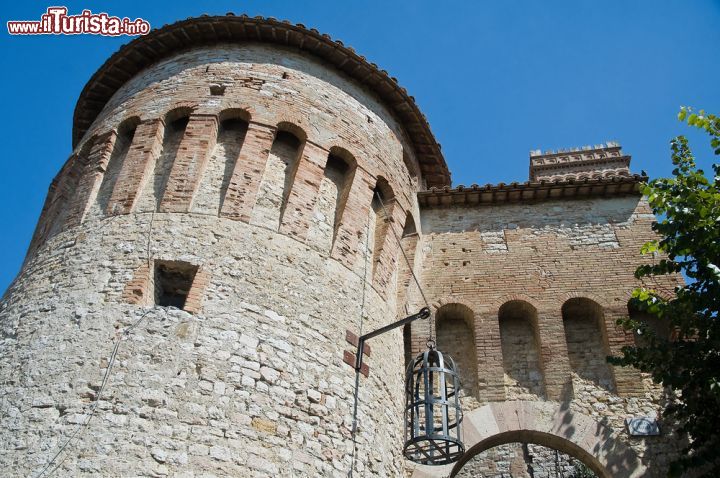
x=544, y=284
x=266, y=191
x=284, y=186
x=264, y=86
x=518, y=460
x=254, y=385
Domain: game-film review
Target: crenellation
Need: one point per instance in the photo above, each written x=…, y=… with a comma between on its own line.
x=602, y=160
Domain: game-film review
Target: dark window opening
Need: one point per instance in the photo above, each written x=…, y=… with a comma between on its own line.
x=217, y=90
x=173, y=281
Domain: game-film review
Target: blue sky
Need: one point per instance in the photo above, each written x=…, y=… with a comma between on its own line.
x=495, y=80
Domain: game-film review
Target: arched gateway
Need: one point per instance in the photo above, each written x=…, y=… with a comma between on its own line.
x=549, y=424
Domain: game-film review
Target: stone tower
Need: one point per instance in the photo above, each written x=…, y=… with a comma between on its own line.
x=237, y=198
x=225, y=166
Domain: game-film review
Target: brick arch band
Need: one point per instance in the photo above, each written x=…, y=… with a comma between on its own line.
x=548, y=424
x=180, y=36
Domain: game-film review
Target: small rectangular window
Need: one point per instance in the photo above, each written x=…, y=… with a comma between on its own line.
x=172, y=283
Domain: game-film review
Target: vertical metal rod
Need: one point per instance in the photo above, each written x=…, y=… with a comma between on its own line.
x=423, y=314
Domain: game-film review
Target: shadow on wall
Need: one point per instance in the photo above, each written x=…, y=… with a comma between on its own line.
x=408, y=246
x=552, y=426
x=332, y=196
x=125, y=135
x=520, y=351
x=210, y=194
x=586, y=339
x=154, y=188
x=276, y=182
x=455, y=335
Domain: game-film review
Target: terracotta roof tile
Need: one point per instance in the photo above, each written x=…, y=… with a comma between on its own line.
x=161, y=43
x=532, y=191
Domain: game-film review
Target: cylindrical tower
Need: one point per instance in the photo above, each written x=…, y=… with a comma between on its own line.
x=214, y=233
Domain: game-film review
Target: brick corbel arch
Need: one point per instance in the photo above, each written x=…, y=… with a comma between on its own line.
x=178, y=109
x=232, y=112
x=497, y=304
x=602, y=302
x=548, y=424
x=294, y=127
x=473, y=321
x=438, y=303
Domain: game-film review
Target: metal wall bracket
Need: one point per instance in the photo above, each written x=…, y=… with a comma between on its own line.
x=364, y=349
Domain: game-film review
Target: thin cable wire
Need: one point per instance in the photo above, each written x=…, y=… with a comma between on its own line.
x=82, y=427
x=357, y=372
x=407, y=261
x=397, y=238
x=367, y=259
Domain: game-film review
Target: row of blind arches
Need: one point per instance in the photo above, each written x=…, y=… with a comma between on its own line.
x=283, y=160
x=273, y=190
x=520, y=345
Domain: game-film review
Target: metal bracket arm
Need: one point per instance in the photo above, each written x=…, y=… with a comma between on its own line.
x=423, y=314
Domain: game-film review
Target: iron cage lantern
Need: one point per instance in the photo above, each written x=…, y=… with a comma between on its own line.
x=432, y=403
x=432, y=409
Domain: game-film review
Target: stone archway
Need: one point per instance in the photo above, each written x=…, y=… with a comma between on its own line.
x=550, y=424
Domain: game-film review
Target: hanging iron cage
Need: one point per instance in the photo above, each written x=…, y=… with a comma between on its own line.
x=432, y=410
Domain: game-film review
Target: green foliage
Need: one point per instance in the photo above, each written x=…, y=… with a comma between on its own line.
x=688, y=204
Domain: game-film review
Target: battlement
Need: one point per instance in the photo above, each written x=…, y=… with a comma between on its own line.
x=587, y=161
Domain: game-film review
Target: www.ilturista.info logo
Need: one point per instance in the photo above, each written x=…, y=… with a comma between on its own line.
x=57, y=22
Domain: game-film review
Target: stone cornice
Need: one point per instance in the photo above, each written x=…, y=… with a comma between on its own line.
x=206, y=30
